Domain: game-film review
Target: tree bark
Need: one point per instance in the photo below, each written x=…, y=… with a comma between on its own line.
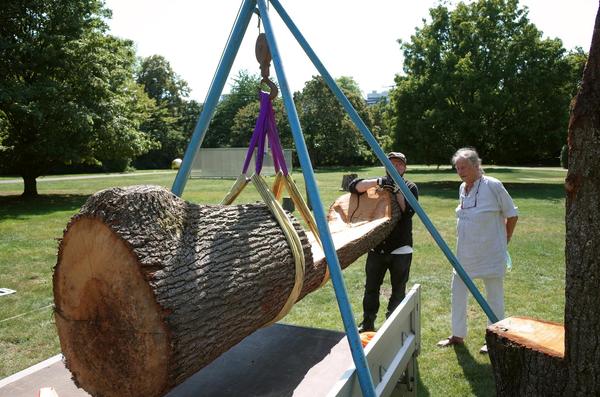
x=30, y=186
x=525, y=370
x=149, y=288
x=582, y=254
x=346, y=179
x=525, y=354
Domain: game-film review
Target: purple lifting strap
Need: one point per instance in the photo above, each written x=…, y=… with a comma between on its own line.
x=265, y=128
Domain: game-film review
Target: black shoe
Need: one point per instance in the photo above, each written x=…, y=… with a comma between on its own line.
x=364, y=327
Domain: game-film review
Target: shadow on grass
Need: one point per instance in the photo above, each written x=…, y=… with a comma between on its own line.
x=478, y=375
x=16, y=207
x=422, y=390
x=541, y=191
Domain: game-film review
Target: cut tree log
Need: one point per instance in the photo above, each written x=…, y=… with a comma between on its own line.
x=523, y=351
x=149, y=289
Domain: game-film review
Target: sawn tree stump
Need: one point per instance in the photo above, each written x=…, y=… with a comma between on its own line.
x=149, y=288
x=525, y=353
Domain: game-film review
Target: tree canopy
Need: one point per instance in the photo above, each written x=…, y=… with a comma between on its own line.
x=331, y=137
x=245, y=121
x=243, y=92
x=67, y=93
x=482, y=75
x=168, y=123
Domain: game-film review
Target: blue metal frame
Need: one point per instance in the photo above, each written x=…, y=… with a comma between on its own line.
x=210, y=104
x=214, y=92
x=216, y=88
x=386, y=162
x=364, y=376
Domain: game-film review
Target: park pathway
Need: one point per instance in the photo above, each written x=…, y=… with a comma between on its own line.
x=66, y=178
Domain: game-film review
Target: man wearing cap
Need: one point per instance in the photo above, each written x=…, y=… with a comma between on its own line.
x=394, y=253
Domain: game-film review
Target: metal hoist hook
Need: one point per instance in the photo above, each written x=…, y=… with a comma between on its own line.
x=263, y=56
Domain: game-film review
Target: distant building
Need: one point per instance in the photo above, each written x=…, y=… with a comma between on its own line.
x=374, y=97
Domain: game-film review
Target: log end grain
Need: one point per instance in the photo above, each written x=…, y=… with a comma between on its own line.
x=527, y=357
x=104, y=308
x=542, y=336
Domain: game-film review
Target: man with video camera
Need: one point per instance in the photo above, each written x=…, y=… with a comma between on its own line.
x=394, y=253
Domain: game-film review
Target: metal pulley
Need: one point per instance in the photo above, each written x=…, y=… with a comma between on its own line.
x=263, y=56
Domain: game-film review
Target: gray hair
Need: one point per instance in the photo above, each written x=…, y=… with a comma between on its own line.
x=469, y=154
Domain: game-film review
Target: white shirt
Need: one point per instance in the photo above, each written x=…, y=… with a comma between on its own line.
x=405, y=249
x=481, y=227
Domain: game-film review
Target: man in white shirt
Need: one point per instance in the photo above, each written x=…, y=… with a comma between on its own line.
x=486, y=220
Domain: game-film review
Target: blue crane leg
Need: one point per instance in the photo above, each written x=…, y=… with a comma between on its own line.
x=364, y=376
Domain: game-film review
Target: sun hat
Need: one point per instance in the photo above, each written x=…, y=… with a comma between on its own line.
x=397, y=155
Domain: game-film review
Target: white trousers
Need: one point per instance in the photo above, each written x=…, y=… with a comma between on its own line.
x=494, y=289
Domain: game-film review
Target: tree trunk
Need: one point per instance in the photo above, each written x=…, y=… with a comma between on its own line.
x=525, y=354
x=30, y=186
x=582, y=287
x=346, y=179
x=523, y=369
x=149, y=289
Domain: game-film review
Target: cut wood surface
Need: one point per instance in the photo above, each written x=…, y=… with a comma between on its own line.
x=353, y=227
x=149, y=288
x=543, y=336
x=524, y=352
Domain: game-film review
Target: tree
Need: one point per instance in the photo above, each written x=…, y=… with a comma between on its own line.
x=577, y=59
x=577, y=373
x=166, y=124
x=379, y=114
x=3, y=129
x=331, y=137
x=481, y=75
x=67, y=93
x=124, y=140
x=189, y=118
x=161, y=83
x=245, y=121
x=244, y=91
x=582, y=287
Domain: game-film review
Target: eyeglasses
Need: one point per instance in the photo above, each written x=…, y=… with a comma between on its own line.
x=472, y=201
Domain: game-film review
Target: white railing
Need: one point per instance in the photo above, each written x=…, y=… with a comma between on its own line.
x=391, y=354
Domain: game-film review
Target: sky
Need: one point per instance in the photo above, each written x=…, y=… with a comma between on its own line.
x=352, y=38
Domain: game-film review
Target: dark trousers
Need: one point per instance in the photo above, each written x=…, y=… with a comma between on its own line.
x=375, y=268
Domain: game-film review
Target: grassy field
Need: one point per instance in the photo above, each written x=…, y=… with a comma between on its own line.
x=29, y=230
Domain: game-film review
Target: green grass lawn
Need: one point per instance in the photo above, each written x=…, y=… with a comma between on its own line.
x=29, y=230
